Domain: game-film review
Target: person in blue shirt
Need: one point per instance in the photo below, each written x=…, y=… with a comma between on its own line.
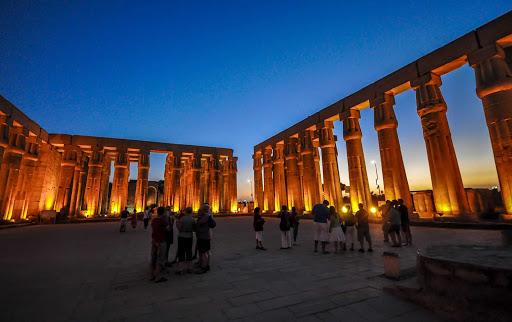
x=320, y=226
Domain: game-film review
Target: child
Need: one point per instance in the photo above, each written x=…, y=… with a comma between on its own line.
x=134, y=219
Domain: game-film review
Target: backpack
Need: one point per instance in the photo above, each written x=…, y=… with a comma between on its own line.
x=284, y=224
x=211, y=222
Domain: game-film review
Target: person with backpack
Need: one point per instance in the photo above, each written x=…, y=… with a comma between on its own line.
x=124, y=219
x=203, y=224
x=284, y=226
x=294, y=219
x=257, y=224
x=404, y=216
x=146, y=218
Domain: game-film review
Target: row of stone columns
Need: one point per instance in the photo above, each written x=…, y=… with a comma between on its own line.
x=292, y=177
x=192, y=180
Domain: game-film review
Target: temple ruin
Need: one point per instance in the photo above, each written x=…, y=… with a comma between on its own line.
x=287, y=165
x=71, y=173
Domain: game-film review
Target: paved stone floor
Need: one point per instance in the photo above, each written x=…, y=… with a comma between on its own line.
x=92, y=272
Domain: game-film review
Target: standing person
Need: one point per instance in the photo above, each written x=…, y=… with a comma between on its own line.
x=385, y=219
x=203, y=224
x=124, y=219
x=394, y=224
x=321, y=215
x=404, y=216
x=134, y=219
x=294, y=218
x=257, y=224
x=337, y=236
x=169, y=234
x=284, y=226
x=175, y=260
x=350, y=222
x=186, y=226
x=363, y=228
x=146, y=218
x=159, y=226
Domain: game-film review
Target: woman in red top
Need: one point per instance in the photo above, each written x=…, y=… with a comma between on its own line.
x=258, y=228
x=294, y=218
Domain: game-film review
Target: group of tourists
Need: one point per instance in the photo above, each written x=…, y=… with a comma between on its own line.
x=162, y=237
x=340, y=230
x=395, y=217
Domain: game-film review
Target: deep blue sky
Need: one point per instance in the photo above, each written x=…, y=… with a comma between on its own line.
x=233, y=73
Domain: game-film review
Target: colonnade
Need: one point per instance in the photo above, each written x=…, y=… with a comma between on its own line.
x=299, y=183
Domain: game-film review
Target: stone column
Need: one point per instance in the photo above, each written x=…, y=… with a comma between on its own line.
x=258, y=180
x=184, y=183
x=18, y=207
x=279, y=177
x=318, y=173
x=332, y=183
x=268, y=182
x=233, y=169
x=195, y=183
x=494, y=87
x=10, y=169
x=141, y=191
x=4, y=134
x=310, y=178
x=449, y=195
x=176, y=181
x=67, y=172
x=215, y=185
x=393, y=170
x=226, y=198
x=76, y=184
x=294, y=191
x=105, y=185
x=359, y=187
x=119, y=195
x=93, y=185
x=205, y=180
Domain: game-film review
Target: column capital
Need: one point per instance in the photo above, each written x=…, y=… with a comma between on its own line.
x=427, y=79
x=267, y=158
x=291, y=148
x=429, y=98
x=306, y=141
x=278, y=156
x=143, y=161
x=96, y=158
x=351, y=128
x=350, y=114
x=384, y=114
x=257, y=161
x=326, y=137
x=492, y=73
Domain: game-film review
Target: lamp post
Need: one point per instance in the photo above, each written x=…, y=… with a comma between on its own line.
x=252, y=198
x=376, y=180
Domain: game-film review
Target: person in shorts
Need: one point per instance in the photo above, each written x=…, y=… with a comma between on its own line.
x=363, y=228
x=124, y=219
x=335, y=231
x=404, y=217
x=203, y=237
x=186, y=226
x=320, y=226
x=350, y=229
x=394, y=224
x=160, y=225
x=257, y=224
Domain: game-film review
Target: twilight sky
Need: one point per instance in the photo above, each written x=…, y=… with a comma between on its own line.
x=233, y=73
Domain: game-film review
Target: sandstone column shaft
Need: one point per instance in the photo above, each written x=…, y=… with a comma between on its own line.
x=215, y=185
x=92, y=188
x=449, y=195
x=294, y=190
x=359, y=187
x=258, y=180
x=332, y=184
x=232, y=184
x=119, y=195
x=195, y=187
x=494, y=88
x=141, y=191
x=310, y=176
x=19, y=207
x=393, y=170
x=279, y=177
x=75, y=192
x=268, y=182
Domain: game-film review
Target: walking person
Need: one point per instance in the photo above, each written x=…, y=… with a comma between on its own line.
x=124, y=219
x=350, y=229
x=385, y=219
x=294, y=218
x=404, y=217
x=257, y=224
x=134, y=219
x=363, y=228
x=284, y=226
x=159, y=226
x=335, y=231
x=394, y=224
x=146, y=217
x=320, y=218
x=186, y=226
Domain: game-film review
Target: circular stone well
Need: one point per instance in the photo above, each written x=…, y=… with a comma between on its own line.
x=467, y=272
